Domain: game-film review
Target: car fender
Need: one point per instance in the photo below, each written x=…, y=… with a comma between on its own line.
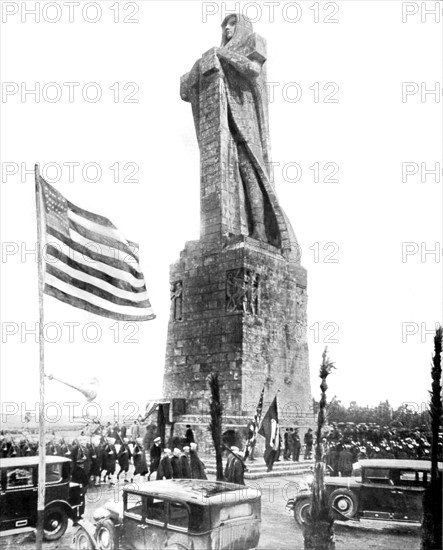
x=301, y=493
x=90, y=530
x=340, y=516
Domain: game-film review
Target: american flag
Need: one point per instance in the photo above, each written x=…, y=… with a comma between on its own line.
x=255, y=425
x=88, y=262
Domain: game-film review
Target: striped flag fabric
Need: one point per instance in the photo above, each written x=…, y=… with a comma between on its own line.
x=88, y=263
x=250, y=444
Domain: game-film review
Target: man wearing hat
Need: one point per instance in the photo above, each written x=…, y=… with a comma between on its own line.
x=109, y=460
x=123, y=457
x=295, y=445
x=96, y=459
x=139, y=458
x=308, y=440
x=197, y=466
x=155, y=456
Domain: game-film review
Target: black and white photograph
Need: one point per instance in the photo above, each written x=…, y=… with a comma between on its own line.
x=221, y=275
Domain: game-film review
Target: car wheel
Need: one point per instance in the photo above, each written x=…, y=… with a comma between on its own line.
x=302, y=509
x=55, y=523
x=82, y=541
x=345, y=502
x=106, y=535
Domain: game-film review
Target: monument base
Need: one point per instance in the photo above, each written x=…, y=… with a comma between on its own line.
x=242, y=315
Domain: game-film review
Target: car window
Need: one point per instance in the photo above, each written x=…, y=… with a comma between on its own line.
x=238, y=511
x=155, y=509
x=134, y=507
x=178, y=515
x=378, y=475
x=53, y=473
x=412, y=478
x=200, y=518
x=19, y=477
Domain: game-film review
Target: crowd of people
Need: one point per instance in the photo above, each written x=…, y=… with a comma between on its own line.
x=347, y=443
x=99, y=450
x=292, y=444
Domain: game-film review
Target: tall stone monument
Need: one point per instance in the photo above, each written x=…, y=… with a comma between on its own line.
x=238, y=294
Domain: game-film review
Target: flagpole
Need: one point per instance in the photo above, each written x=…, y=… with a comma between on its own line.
x=41, y=442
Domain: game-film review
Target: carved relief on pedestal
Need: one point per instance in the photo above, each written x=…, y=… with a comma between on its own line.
x=177, y=301
x=242, y=287
x=301, y=301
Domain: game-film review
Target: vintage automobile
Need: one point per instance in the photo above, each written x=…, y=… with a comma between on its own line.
x=378, y=489
x=64, y=499
x=179, y=514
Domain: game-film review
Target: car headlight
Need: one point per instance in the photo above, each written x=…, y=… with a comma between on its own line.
x=101, y=513
x=309, y=479
x=302, y=486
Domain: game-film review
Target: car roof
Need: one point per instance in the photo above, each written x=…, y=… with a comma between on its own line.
x=196, y=490
x=30, y=461
x=397, y=463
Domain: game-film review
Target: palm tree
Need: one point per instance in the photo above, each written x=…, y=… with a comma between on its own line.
x=432, y=503
x=319, y=530
x=215, y=426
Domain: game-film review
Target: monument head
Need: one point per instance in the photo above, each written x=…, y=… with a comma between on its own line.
x=235, y=28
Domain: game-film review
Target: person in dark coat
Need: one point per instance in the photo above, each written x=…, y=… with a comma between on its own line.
x=109, y=459
x=164, y=468
x=155, y=455
x=309, y=441
x=189, y=435
x=14, y=450
x=184, y=463
x=139, y=458
x=235, y=467
x=287, y=448
x=79, y=458
x=51, y=447
x=123, y=457
x=96, y=459
x=295, y=445
x=176, y=464
x=197, y=466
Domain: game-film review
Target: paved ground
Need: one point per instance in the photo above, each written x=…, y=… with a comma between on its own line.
x=279, y=530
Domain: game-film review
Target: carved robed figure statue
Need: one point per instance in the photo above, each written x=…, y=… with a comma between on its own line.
x=240, y=62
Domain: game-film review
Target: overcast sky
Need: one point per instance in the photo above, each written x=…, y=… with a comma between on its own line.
x=374, y=290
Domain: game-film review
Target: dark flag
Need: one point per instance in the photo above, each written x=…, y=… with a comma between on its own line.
x=89, y=263
x=250, y=444
x=270, y=431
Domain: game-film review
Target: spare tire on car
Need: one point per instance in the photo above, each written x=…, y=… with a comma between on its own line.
x=344, y=503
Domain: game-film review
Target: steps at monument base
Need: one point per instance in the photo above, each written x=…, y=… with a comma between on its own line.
x=258, y=469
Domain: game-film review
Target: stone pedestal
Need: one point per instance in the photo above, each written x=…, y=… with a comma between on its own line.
x=251, y=331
